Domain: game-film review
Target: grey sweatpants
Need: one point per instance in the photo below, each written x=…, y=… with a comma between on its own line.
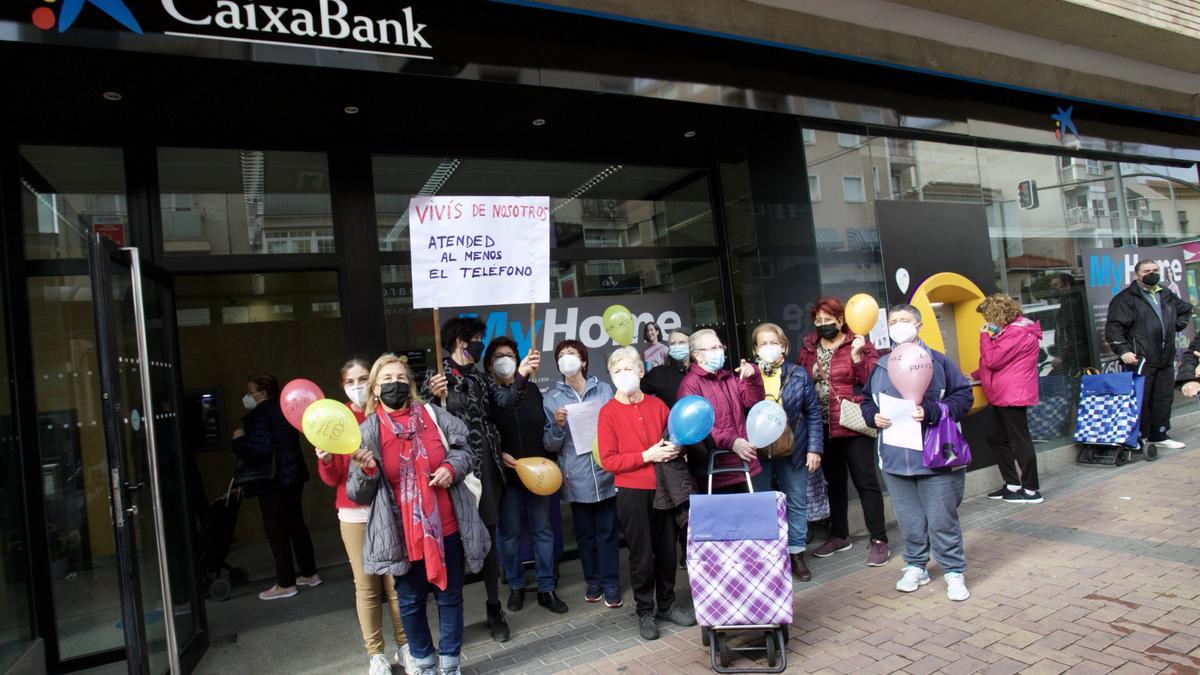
x=927, y=508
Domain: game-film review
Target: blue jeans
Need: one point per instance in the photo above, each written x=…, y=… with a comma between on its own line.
x=927, y=508
x=413, y=589
x=599, y=539
x=779, y=474
x=538, y=507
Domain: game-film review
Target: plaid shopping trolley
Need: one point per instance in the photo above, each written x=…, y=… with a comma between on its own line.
x=1106, y=425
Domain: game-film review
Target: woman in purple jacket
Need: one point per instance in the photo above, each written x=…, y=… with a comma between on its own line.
x=1008, y=355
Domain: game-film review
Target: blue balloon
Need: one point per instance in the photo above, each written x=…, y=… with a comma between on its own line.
x=691, y=420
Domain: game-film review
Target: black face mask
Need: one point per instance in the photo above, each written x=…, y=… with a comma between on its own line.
x=475, y=350
x=828, y=331
x=1151, y=280
x=394, y=394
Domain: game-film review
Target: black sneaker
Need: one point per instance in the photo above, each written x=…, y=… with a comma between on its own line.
x=677, y=615
x=1023, y=497
x=551, y=602
x=593, y=595
x=516, y=599
x=999, y=494
x=648, y=627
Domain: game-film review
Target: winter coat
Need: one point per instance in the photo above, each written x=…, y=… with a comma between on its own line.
x=730, y=397
x=267, y=432
x=521, y=427
x=1134, y=326
x=799, y=400
x=948, y=385
x=844, y=376
x=384, y=550
x=1008, y=363
x=664, y=381
x=1187, y=365
x=584, y=482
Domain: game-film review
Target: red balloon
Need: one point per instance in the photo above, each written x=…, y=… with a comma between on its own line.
x=295, y=398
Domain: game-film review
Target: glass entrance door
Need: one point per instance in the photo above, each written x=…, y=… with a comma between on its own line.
x=138, y=386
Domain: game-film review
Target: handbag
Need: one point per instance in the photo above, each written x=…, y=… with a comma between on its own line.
x=254, y=478
x=850, y=416
x=817, y=495
x=786, y=443
x=944, y=446
x=474, y=485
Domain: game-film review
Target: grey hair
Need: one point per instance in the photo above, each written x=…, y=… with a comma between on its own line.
x=905, y=307
x=694, y=338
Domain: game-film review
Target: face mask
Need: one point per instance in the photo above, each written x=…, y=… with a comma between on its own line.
x=828, y=331
x=714, y=360
x=475, y=350
x=357, y=394
x=902, y=333
x=678, y=352
x=770, y=353
x=249, y=402
x=626, y=382
x=569, y=364
x=504, y=366
x=393, y=394
x=1151, y=280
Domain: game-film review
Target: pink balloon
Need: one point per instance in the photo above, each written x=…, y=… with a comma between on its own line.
x=910, y=369
x=295, y=398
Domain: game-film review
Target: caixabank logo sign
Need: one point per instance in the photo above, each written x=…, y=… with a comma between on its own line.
x=367, y=26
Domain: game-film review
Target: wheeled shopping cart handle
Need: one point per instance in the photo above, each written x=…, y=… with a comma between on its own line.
x=712, y=470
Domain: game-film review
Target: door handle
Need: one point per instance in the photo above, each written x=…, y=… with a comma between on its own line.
x=134, y=487
x=132, y=510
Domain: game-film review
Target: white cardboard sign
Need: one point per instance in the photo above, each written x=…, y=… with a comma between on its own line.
x=479, y=250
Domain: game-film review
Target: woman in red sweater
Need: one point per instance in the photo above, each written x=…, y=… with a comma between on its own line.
x=369, y=589
x=630, y=439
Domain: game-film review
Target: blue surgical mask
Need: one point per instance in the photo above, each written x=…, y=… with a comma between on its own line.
x=678, y=352
x=714, y=360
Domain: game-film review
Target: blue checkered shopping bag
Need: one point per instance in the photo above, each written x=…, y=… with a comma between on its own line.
x=1109, y=407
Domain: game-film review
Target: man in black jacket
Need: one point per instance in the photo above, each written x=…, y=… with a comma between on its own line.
x=1142, y=322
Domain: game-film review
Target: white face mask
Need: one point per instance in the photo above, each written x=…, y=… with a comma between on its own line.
x=569, y=364
x=504, y=366
x=626, y=382
x=249, y=402
x=357, y=394
x=902, y=332
x=770, y=353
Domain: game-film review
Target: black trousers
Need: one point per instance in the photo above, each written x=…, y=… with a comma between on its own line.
x=1156, y=401
x=650, y=536
x=853, y=457
x=1013, y=446
x=283, y=521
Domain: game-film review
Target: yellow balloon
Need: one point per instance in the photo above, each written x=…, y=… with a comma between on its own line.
x=540, y=475
x=618, y=323
x=330, y=426
x=862, y=312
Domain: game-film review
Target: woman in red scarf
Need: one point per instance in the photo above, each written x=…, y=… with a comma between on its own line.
x=435, y=530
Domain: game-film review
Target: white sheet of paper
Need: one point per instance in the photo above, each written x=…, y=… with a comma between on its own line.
x=583, y=420
x=905, y=431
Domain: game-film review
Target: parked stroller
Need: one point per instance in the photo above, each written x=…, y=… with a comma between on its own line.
x=216, y=537
x=1110, y=407
x=740, y=574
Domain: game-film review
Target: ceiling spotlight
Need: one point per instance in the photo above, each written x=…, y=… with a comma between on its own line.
x=350, y=110
x=112, y=96
x=689, y=134
x=539, y=122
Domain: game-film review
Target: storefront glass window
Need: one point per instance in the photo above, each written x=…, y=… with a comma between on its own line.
x=69, y=192
x=224, y=201
x=15, y=626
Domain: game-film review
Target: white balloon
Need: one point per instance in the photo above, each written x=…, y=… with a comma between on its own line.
x=765, y=424
x=902, y=279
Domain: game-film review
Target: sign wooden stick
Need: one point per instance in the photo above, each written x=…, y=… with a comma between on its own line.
x=437, y=346
x=532, y=330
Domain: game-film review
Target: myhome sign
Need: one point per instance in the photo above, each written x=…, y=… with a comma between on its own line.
x=379, y=27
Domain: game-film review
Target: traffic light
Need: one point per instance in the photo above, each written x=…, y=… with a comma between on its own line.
x=1027, y=196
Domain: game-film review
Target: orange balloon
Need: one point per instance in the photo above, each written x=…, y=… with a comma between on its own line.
x=540, y=475
x=862, y=312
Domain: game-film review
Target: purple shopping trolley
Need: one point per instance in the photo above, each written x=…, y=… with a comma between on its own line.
x=740, y=573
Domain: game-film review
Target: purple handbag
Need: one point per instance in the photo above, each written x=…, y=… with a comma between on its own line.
x=944, y=446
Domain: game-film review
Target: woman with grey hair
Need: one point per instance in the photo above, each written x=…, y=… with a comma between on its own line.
x=925, y=500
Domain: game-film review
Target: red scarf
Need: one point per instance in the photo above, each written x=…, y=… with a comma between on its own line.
x=419, y=515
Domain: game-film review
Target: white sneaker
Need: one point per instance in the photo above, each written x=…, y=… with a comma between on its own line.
x=913, y=578
x=1170, y=444
x=277, y=593
x=380, y=665
x=309, y=582
x=956, y=587
x=404, y=658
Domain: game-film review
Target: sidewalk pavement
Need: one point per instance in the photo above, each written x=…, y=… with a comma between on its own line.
x=1102, y=577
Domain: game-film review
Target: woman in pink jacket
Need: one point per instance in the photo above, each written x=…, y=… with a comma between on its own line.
x=1008, y=354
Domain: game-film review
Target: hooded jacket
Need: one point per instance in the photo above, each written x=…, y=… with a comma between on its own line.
x=844, y=376
x=730, y=397
x=584, y=481
x=1134, y=326
x=1008, y=363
